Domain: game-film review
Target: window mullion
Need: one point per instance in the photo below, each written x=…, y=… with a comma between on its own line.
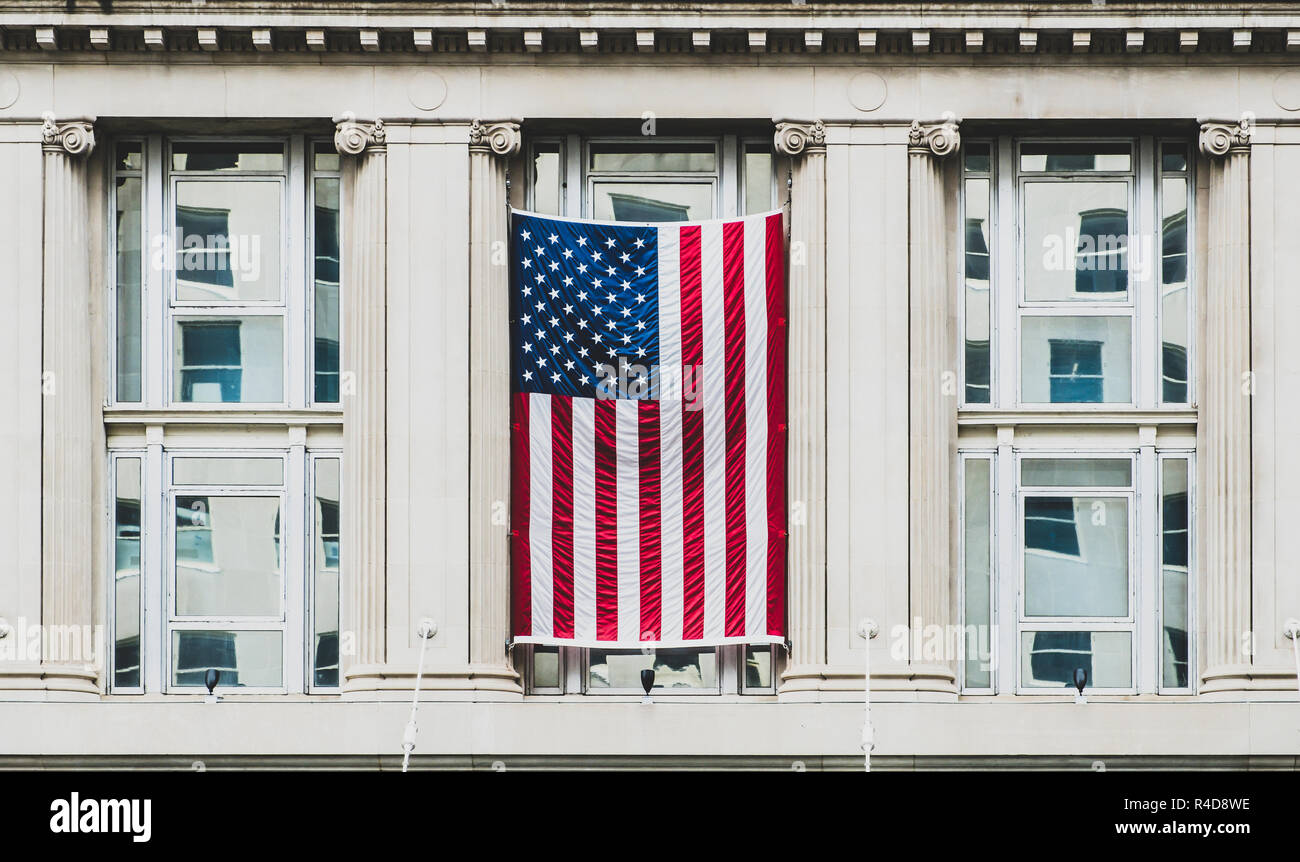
x=155, y=301
x=1006, y=294
x=1146, y=615
x=1145, y=242
x=296, y=304
x=1006, y=566
x=294, y=564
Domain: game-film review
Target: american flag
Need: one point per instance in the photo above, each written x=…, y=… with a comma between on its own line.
x=648, y=432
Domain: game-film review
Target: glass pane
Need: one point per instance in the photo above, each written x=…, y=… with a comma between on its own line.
x=979, y=157
x=1173, y=157
x=977, y=531
x=1077, y=472
x=674, y=668
x=130, y=156
x=1076, y=556
x=1174, y=295
x=546, y=667
x=1076, y=241
x=227, y=238
x=636, y=158
x=229, y=359
x=227, y=471
x=1175, y=545
x=326, y=295
x=1076, y=360
x=325, y=157
x=227, y=552
x=129, y=279
x=325, y=572
x=126, y=575
x=758, y=180
x=758, y=667
x=548, y=193
x=653, y=202
x=228, y=156
x=242, y=658
x=1048, y=659
x=977, y=273
x=1087, y=156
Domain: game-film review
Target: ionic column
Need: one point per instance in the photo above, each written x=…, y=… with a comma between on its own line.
x=932, y=398
x=70, y=414
x=1223, y=433
x=491, y=145
x=364, y=390
x=805, y=144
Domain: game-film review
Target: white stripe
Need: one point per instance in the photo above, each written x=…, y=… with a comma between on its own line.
x=628, y=508
x=670, y=430
x=714, y=403
x=756, y=426
x=539, y=514
x=584, y=518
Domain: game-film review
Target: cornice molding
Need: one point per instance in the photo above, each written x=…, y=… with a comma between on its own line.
x=501, y=138
x=75, y=137
x=1218, y=138
x=936, y=139
x=352, y=138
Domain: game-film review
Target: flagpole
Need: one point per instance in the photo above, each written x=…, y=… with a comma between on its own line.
x=867, y=629
x=428, y=628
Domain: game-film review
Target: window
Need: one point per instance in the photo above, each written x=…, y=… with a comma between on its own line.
x=236, y=245
x=1075, y=271
x=230, y=588
x=1072, y=580
x=650, y=179
x=224, y=264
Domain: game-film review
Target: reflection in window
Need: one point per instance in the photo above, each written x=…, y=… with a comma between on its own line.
x=977, y=570
x=126, y=574
x=674, y=669
x=1075, y=373
x=1049, y=525
x=325, y=588
x=223, y=359
x=1051, y=657
x=1175, y=312
x=1076, y=359
x=244, y=658
x=1101, y=259
x=1076, y=554
x=227, y=556
x=129, y=226
x=977, y=271
x=1175, y=511
x=326, y=297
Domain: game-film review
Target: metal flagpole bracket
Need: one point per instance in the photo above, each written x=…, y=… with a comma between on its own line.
x=867, y=629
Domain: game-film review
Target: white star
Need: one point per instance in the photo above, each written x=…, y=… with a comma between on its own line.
x=568, y=366
x=568, y=309
x=640, y=297
x=640, y=270
x=553, y=321
x=528, y=289
x=554, y=293
x=555, y=264
x=627, y=339
x=582, y=269
x=528, y=375
x=540, y=278
x=582, y=241
x=528, y=264
x=639, y=242
x=539, y=250
x=568, y=253
x=555, y=377
x=611, y=352
x=609, y=297
x=525, y=235
x=597, y=310
x=555, y=348
x=609, y=271
x=585, y=380
x=640, y=324
x=627, y=285
x=596, y=336
x=553, y=238
x=540, y=335
x=610, y=325
x=582, y=351
x=526, y=319
x=627, y=312
x=640, y=351
x=625, y=257
x=568, y=337
x=540, y=305
x=541, y=361
x=582, y=296
x=568, y=281
x=609, y=243
x=528, y=348
x=582, y=324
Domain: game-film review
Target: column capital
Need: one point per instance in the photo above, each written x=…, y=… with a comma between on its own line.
x=1220, y=137
x=936, y=139
x=76, y=137
x=794, y=138
x=501, y=138
x=352, y=138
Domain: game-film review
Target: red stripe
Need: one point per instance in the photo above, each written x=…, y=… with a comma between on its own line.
x=733, y=315
x=606, y=519
x=521, y=567
x=776, y=426
x=562, y=513
x=692, y=438
x=651, y=525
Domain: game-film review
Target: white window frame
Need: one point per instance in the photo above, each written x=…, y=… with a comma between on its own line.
x=110, y=568
x=1188, y=455
x=313, y=458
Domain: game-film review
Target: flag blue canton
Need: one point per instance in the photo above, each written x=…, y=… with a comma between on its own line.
x=584, y=306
